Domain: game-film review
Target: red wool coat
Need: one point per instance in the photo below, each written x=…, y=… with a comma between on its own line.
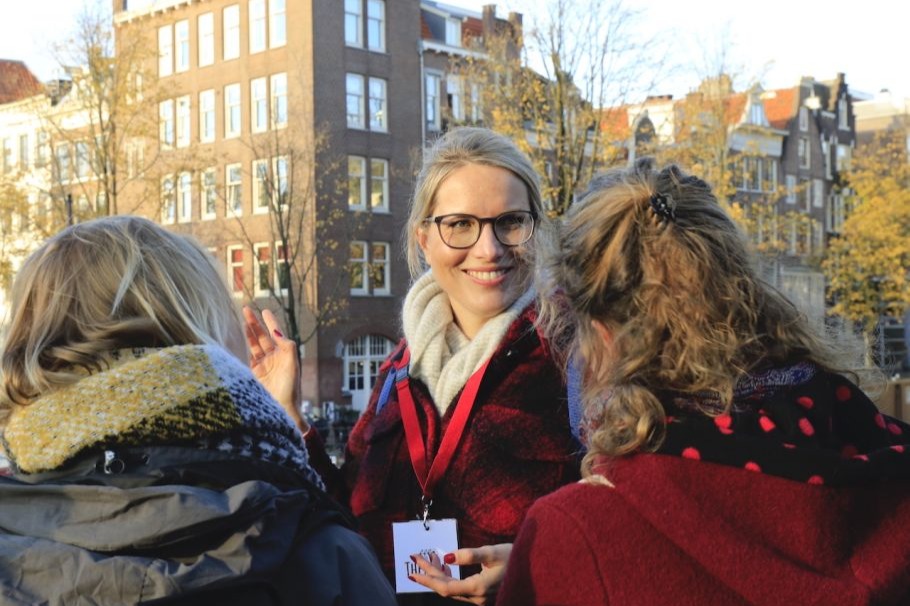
x=678, y=528
x=516, y=447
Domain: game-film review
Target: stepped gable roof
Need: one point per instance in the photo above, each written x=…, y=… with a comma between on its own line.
x=17, y=81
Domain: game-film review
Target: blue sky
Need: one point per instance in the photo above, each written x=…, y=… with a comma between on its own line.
x=773, y=41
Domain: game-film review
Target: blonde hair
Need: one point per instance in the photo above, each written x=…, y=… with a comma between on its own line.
x=460, y=147
x=683, y=308
x=112, y=283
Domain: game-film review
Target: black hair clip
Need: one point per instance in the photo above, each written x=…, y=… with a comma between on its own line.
x=662, y=209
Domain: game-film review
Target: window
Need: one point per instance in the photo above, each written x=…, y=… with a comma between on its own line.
x=209, y=193
x=369, y=268
x=805, y=190
x=7, y=155
x=277, y=23
x=42, y=149
x=826, y=156
x=168, y=201
x=818, y=193
x=454, y=94
x=62, y=164
x=261, y=186
x=207, y=116
x=355, y=110
x=82, y=160
x=357, y=184
x=803, y=119
x=235, y=269
x=376, y=25
x=166, y=122
x=363, y=357
x=165, y=51
x=379, y=185
x=257, y=26
x=184, y=197
x=24, y=150
x=432, y=84
x=101, y=203
x=183, y=121
x=453, y=32
x=791, y=188
x=206, y=27
x=262, y=279
x=353, y=22
x=232, y=110
x=843, y=117
x=233, y=182
x=804, y=159
x=279, y=86
x=231, y=26
x=281, y=183
x=378, y=110
x=182, y=46
x=259, y=105
x=842, y=162
x=476, y=103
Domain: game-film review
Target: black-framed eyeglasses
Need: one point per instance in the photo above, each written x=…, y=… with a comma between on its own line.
x=512, y=228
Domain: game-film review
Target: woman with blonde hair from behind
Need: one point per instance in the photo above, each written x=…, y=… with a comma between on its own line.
x=148, y=463
x=730, y=459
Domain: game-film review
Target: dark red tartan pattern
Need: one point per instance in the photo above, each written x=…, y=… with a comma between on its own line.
x=517, y=447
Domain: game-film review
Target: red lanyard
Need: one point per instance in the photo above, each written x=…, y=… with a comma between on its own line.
x=416, y=445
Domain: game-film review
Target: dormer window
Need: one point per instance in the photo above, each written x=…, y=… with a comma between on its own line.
x=453, y=32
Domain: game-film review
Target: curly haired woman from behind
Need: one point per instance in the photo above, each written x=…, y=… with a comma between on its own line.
x=729, y=460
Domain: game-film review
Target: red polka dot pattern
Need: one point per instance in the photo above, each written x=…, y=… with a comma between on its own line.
x=806, y=427
x=843, y=393
x=753, y=466
x=806, y=402
x=895, y=429
x=897, y=448
x=880, y=420
x=817, y=480
x=724, y=422
x=691, y=453
x=766, y=423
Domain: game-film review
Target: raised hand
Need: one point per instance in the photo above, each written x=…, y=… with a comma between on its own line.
x=273, y=360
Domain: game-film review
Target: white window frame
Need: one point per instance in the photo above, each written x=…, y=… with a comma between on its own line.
x=232, y=267
x=278, y=33
x=281, y=256
x=355, y=91
x=278, y=89
x=168, y=200
x=380, y=264
x=382, y=181
x=258, y=29
x=281, y=174
x=261, y=175
x=233, y=190
x=818, y=193
x=790, y=181
x=24, y=152
x=81, y=161
x=453, y=32
x=181, y=46
x=357, y=193
x=166, y=131
x=207, y=116
x=258, y=247
x=363, y=262
x=804, y=119
x=208, y=194
x=432, y=86
x=378, y=105
x=455, y=94
x=184, y=197
x=165, y=51
x=205, y=27
x=233, y=108
x=805, y=190
x=376, y=12
x=231, y=32
x=259, y=105
x=353, y=23
x=63, y=162
x=183, y=109
x=805, y=157
x=843, y=115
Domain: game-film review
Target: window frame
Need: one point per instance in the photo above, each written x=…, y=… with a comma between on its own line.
x=205, y=32
x=230, y=32
x=233, y=266
x=259, y=105
x=376, y=46
x=261, y=186
x=384, y=184
x=278, y=95
x=233, y=204
x=207, y=116
x=278, y=33
x=233, y=110
x=168, y=198
x=181, y=46
x=208, y=194
x=257, y=21
x=353, y=23
x=182, y=121
x=165, y=51
x=378, y=124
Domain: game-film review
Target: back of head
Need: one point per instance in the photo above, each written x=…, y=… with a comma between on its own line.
x=652, y=257
x=456, y=148
x=112, y=283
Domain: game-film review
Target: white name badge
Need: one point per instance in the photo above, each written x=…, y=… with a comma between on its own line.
x=413, y=538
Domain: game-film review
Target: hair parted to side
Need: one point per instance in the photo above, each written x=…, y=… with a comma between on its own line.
x=460, y=147
x=112, y=283
x=683, y=308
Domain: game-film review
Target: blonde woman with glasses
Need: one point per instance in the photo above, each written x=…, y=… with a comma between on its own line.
x=468, y=423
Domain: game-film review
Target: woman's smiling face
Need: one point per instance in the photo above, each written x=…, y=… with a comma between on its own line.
x=484, y=280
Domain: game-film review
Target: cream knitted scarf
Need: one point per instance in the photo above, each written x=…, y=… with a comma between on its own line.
x=441, y=355
x=189, y=395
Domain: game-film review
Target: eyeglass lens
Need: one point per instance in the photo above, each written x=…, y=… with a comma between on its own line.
x=462, y=231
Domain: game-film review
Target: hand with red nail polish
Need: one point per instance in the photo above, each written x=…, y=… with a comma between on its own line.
x=479, y=588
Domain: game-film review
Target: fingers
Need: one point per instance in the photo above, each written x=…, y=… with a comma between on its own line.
x=486, y=555
x=257, y=337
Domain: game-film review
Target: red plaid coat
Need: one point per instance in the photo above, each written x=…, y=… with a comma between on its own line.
x=517, y=447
